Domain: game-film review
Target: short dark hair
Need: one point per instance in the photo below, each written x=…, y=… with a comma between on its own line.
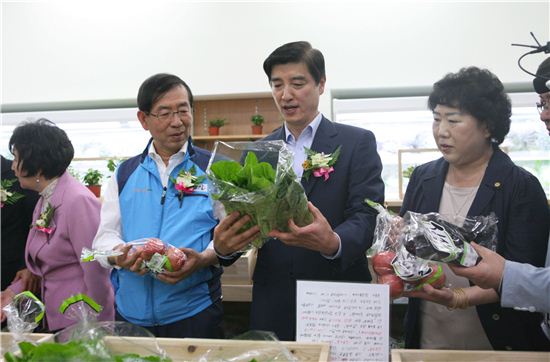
x=42, y=146
x=155, y=87
x=479, y=93
x=297, y=52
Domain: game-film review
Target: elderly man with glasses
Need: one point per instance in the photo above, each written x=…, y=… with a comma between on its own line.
x=163, y=194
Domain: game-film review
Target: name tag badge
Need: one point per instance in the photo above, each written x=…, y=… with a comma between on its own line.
x=142, y=189
x=202, y=187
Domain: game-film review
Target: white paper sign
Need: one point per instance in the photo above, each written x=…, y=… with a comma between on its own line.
x=352, y=317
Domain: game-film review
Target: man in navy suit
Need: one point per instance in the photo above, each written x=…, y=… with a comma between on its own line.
x=333, y=246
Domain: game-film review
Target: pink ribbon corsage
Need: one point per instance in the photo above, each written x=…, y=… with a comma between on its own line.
x=323, y=172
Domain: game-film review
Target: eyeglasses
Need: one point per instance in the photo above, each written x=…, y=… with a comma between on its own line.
x=543, y=106
x=166, y=115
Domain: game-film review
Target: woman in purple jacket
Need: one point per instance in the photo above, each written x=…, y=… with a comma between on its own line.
x=64, y=221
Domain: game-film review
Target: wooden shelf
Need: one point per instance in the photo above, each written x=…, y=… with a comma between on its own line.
x=235, y=137
x=237, y=111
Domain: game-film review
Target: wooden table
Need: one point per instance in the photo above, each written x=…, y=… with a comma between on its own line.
x=430, y=355
x=7, y=342
x=191, y=349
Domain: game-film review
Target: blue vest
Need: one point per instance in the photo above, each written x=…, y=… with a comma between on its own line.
x=149, y=210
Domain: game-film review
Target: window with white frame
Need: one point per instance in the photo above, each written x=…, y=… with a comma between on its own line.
x=97, y=135
x=402, y=126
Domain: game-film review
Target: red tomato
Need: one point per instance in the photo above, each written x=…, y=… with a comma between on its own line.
x=153, y=246
x=381, y=262
x=176, y=259
x=396, y=284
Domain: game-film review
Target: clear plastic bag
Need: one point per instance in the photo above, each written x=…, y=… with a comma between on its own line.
x=387, y=231
x=256, y=178
x=113, y=339
x=89, y=340
x=391, y=261
x=157, y=255
x=430, y=237
x=88, y=255
x=272, y=350
x=23, y=315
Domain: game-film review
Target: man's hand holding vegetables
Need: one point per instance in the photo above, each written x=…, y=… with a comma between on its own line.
x=317, y=236
x=227, y=236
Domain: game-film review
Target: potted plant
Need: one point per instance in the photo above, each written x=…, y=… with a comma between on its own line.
x=215, y=125
x=257, y=120
x=92, y=180
x=112, y=165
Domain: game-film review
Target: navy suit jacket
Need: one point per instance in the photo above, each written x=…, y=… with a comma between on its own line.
x=341, y=198
x=519, y=202
x=16, y=221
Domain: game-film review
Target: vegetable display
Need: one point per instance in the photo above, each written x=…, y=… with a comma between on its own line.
x=86, y=340
x=82, y=351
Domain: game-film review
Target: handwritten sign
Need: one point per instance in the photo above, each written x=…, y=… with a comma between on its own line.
x=352, y=317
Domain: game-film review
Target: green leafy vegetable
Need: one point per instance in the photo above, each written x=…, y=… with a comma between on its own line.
x=81, y=351
x=255, y=189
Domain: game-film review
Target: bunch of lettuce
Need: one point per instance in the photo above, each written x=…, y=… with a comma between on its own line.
x=271, y=197
x=82, y=351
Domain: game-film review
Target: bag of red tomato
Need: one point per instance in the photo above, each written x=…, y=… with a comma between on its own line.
x=158, y=256
x=393, y=264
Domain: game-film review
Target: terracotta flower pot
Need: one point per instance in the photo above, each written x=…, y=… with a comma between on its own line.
x=257, y=129
x=214, y=131
x=95, y=189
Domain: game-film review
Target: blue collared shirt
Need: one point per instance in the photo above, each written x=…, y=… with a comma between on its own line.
x=305, y=139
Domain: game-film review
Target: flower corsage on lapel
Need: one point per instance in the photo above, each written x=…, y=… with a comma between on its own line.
x=320, y=164
x=44, y=222
x=8, y=197
x=186, y=182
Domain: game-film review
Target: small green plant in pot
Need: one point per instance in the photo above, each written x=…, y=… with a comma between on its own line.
x=92, y=180
x=257, y=121
x=112, y=165
x=215, y=125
